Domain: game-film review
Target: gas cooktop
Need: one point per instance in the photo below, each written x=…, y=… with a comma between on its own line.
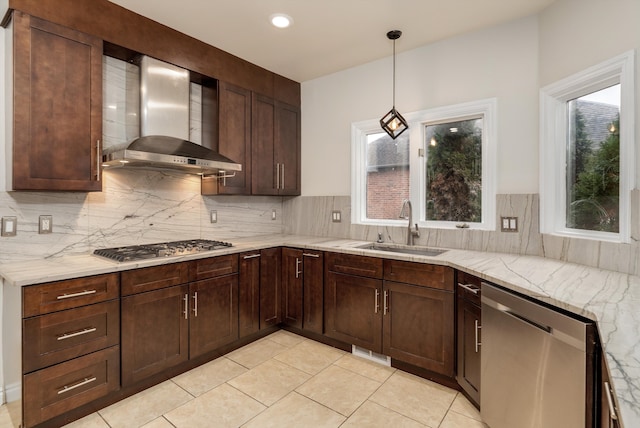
x=163, y=249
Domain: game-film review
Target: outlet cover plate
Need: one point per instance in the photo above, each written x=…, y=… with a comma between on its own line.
x=9, y=226
x=45, y=224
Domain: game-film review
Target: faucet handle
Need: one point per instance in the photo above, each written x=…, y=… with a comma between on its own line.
x=416, y=232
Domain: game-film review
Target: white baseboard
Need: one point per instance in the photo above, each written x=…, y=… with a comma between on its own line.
x=12, y=392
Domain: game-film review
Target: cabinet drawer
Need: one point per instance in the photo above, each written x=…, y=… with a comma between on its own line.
x=469, y=287
x=53, y=338
x=354, y=265
x=60, y=295
x=212, y=267
x=55, y=390
x=434, y=276
x=153, y=278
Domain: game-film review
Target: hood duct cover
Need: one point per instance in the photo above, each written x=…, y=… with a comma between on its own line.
x=164, y=126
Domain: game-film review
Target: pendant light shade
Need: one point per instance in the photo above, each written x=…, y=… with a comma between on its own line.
x=393, y=123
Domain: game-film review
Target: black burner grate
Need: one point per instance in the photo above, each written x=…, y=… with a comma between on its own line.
x=164, y=249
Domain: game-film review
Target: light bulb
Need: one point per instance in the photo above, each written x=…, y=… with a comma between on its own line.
x=394, y=124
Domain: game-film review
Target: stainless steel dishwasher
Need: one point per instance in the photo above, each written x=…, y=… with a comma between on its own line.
x=537, y=364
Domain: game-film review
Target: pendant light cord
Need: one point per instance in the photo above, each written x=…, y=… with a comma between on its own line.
x=394, y=73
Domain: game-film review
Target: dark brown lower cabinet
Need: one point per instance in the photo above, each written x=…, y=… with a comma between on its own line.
x=469, y=329
x=155, y=332
x=259, y=290
x=270, y=275
x=608, y=411
x=418, y=326
x=302, y=289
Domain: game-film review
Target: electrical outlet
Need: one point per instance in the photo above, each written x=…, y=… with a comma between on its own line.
x=273, y=214
x=214, y=216
x=509, y=224
x=45, y=224
x=336, y=216
x=9, y=226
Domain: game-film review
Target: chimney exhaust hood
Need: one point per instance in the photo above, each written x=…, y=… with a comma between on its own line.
x=164, y=127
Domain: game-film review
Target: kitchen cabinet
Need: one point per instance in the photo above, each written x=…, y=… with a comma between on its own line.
x=469, y=335
x=70, y=342
x=275, y=147
x=57, y=107
x=259, y=290
x=401, y=309
x=608, y=409
x=302, y=289
x=234, y=124
x=175, y=312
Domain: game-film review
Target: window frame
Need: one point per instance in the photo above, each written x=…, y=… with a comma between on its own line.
x=553, y=145
x=486, y=108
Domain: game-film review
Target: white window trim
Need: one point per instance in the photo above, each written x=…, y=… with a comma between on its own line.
x=486, y=108
x=553, y=124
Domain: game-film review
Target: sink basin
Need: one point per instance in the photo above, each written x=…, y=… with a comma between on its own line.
x=419, y=251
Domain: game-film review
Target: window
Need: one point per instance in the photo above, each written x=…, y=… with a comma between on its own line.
x=445, y=164
x=587, y=155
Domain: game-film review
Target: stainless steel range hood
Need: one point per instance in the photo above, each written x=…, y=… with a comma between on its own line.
x=164, y=127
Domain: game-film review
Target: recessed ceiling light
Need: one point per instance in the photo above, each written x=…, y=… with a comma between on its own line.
x=281, y=20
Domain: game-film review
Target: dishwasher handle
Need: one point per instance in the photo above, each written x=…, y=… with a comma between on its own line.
x=509, y=311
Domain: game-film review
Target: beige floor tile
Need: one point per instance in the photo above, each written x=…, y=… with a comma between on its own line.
x=372, y=415
x=270, y=381
x=309, y=356
x=366, y=368
x=339, y=389
x=145, y=406
x=11, y=414
x=296, y=411
x=161, y=422
x=223, y=406
x=456, y=420
x=464, y=407
x=285, y=338
x=416, y=398
x=91, y=421
x=209, y=375
x=256, y=353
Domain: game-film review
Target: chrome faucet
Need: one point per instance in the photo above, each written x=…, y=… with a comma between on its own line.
x=406, y=213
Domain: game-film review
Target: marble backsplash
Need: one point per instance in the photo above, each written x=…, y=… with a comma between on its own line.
x=136, y=206
x=312, y=216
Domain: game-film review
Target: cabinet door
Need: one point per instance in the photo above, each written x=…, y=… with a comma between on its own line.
x=608, y=410
x=270, y=265
x=249, y=293
x=264, y=174
x=287, y=148
x=292, y=287
x=419, y=326
x=155, y=332
x=214, y=314
x=469, y=339
x=234, y=105
x=57, y=107
x=313, y=283
x=352, y=310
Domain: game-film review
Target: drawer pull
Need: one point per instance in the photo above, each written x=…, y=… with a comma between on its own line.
x=470, y=287
x=195, y=303
x=478, y=327
x=82, y=293
x=77, y=333
x=86, y=381
x=311, y=255
x=251, y=256
x=376, y=305
x=385, y=303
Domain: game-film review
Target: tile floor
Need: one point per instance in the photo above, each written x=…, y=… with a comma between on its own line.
x=285, y=380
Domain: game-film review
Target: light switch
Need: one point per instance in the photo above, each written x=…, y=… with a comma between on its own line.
x=336, y=216
x=214, y=216
x=509, y=224
x=9, y=226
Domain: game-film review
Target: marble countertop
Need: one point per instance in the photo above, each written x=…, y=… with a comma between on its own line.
x=610, y=298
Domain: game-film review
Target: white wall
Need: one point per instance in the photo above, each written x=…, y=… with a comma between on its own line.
x=497, y=62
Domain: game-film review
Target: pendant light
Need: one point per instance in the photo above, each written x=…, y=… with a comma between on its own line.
x=393, y=123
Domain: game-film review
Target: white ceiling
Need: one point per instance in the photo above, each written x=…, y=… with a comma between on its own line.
x=327, y=35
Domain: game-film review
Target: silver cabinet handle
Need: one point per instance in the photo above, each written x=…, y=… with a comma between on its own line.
x=311, y=255
x=298, y=270
x=278, y=176
x=386, y=304
x=77, y=333
x=82, y=293
x=251, y=256
x=470, y=287
x=83, y=382
x=478, y=327
x=612, y=409
x=195, y=303
x=376, y=305
x=186, y=306
x=98, y=160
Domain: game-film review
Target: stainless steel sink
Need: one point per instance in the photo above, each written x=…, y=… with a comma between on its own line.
x=420, y=251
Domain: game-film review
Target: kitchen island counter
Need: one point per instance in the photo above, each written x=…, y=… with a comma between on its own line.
x=610, y=298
